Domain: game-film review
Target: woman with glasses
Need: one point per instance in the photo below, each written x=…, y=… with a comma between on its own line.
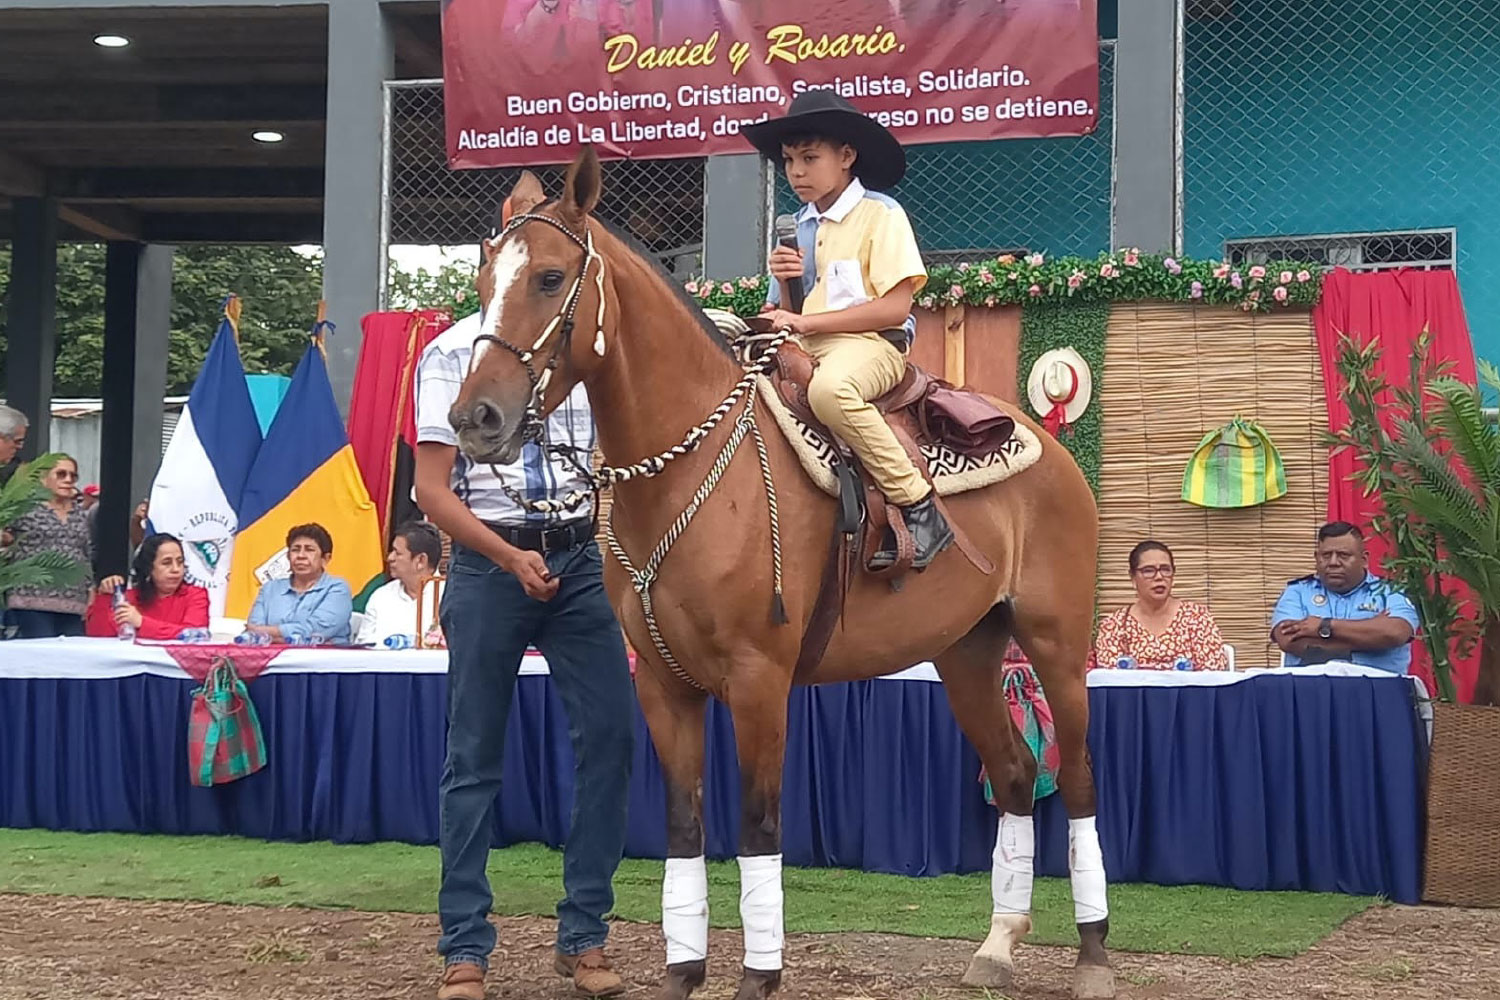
x=1158, y=631
x=58, y=525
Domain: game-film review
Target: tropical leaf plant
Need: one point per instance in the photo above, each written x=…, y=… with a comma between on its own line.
x=1437, y=474
x=18, y=497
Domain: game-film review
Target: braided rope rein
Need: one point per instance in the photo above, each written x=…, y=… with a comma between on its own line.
x=645, y=577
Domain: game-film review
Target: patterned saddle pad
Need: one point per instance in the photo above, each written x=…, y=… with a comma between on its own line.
x=951, y=472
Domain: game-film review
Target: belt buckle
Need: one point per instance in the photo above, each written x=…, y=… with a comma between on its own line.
x=542, y=534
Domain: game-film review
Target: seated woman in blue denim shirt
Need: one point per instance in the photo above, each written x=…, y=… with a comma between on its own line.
x=309, y=605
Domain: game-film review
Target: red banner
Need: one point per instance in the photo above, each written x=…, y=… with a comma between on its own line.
x=529, y=81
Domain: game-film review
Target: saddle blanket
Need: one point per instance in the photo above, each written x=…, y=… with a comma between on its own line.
x=951, y=472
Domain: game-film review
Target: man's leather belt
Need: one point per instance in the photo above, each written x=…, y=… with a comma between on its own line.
x=545, y=540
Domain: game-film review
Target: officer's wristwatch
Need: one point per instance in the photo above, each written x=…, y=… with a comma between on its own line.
x=1325, y=628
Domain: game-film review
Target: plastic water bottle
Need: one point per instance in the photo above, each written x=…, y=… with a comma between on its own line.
x=124, y=630
x=310, y=640
x=399, y=642
x=1125, y=663
x=194, y=635
x=252, y=639
x=1182, y=663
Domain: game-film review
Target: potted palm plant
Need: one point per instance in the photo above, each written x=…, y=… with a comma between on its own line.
x=1437, y=475
x=20, y=495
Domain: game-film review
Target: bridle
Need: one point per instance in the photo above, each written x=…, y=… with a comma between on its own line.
x=533, y=426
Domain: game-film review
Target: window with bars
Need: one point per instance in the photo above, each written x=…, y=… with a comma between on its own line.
x=1429, y=249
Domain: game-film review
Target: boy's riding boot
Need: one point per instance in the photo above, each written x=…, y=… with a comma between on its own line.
x=930, y=534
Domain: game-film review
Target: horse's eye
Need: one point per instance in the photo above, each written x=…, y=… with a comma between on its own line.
x=552, y=282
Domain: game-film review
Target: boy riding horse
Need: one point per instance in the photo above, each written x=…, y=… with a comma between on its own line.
x=858, y=257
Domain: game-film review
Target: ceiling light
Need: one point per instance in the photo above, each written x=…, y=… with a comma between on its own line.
x=111, y=41
x=267, y=135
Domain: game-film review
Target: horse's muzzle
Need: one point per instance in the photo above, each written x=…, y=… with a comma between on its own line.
x=484, y=434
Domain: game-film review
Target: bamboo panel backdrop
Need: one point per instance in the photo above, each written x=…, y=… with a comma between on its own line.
x=1172, y=374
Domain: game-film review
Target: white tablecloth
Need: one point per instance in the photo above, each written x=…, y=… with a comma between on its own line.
x=85, y=659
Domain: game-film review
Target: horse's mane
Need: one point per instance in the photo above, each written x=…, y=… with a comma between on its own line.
x=635, y=246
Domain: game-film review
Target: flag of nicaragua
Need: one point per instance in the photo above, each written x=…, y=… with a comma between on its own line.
x=305, y=472
x=197, y=492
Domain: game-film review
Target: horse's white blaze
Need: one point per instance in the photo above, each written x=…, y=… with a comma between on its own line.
x=761, y=911
x=510, y=264
x=1086, y=871
x=684, y=909
x=1011, y=876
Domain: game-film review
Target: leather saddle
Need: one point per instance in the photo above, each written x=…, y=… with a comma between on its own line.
x=922, y=409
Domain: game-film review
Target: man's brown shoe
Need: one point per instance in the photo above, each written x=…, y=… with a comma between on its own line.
x=462, y=981
x=591, y=972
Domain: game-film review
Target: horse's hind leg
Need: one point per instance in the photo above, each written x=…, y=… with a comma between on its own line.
x=1055, y=634
x=972, y=673
x=674, y=713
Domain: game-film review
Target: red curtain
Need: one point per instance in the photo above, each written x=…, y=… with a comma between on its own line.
x=381, y=412
x=1392, y=307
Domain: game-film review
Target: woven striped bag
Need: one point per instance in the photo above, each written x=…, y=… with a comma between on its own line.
x=1234, y=466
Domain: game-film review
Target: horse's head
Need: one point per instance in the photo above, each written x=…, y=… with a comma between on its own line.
x=545, y=327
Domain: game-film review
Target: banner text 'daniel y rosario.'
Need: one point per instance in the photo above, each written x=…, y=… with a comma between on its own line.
x=527, y=82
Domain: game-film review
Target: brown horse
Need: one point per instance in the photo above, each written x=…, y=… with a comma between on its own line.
x=654, y=369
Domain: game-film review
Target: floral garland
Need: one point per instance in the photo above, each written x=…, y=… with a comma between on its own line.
x=1122, y=276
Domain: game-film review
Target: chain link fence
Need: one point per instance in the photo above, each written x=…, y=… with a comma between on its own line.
x=1353, y=134
x=659, y=202
x=969, y=200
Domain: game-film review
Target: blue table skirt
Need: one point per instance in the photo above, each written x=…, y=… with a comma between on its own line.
x=1275, y=783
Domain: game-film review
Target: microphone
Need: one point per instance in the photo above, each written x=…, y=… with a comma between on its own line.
x=786, y=236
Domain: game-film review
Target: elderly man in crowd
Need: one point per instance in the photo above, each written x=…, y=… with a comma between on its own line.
x=13, y=426
x=1343, y=611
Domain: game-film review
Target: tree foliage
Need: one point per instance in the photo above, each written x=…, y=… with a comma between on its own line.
x=279, y=286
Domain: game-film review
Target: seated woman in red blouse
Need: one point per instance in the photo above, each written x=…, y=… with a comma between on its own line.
x=160, y=605
x=1159, y=631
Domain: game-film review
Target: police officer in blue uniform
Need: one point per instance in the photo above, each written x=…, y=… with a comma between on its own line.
x=1343, y=611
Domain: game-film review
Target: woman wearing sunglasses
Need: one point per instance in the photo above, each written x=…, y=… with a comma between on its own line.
x=1158, y=631
x=58, y=525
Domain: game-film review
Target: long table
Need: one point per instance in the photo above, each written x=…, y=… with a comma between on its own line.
x=1307, y=779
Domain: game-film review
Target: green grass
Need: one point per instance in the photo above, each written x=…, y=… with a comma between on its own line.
x=527, y=880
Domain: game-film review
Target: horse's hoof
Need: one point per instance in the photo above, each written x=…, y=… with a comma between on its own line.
x=757, y=984
x=1093, y=982
x=683, y=978
x=988, y=972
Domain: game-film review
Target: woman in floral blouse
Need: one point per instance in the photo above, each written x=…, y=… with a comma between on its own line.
x=1159, y=631
x=58, y=525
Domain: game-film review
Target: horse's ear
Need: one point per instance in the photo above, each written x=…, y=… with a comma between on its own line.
x=584, y=184
x=527, y=194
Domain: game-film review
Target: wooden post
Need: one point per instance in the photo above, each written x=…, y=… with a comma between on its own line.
x=953, y=344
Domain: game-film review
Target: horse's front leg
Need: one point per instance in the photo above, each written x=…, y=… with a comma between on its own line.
x=758, y=703
x=674, y=714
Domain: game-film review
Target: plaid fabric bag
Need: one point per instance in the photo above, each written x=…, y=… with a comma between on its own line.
x=224, y=737
x=1234, y=466
x=1033, y=719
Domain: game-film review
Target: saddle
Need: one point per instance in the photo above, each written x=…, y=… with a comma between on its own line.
x=922, y=409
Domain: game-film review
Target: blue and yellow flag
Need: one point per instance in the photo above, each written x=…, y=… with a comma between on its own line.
x=305, y=472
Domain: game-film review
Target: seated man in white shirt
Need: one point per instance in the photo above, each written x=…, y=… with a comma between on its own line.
x=415, y=553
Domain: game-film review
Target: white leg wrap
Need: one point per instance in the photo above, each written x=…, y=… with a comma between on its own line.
x=1011, y=878
x=684, y=909
x=761, y=911
x=1086, y=871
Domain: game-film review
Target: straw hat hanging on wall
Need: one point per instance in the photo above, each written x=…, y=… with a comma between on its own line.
x=1059, y=388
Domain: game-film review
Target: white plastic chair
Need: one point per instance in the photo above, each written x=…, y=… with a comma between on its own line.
x=1229, y=655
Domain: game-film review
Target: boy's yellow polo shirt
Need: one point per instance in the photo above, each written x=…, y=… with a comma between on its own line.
x=863, y=246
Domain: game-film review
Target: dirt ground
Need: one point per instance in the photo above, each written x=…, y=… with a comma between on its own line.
x=52, y=947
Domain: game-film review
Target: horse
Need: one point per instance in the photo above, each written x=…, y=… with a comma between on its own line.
x=696, y=532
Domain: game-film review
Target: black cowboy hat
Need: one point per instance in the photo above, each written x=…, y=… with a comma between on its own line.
x=881, y=162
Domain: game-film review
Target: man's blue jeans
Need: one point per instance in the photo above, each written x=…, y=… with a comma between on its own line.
x=489, y=621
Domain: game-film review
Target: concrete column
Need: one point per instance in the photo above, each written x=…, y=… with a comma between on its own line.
x=361, y=56
x=734, y=223
x=1148, y=134
x=137, y=325
x=31, y=333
